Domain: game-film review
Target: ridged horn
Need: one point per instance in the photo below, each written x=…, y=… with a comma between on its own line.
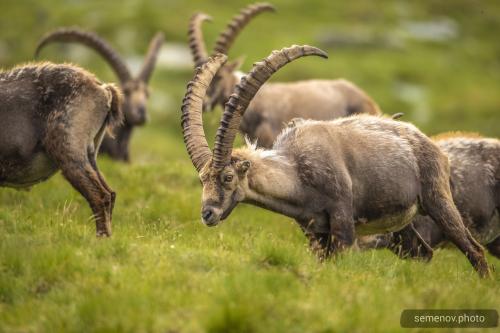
x=151, y=56
x=75, y=35
x=192, y=104
x=196, y=41
x=237, y=23
x=243, y=94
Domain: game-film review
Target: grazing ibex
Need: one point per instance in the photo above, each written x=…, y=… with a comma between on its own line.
x=363, y=174
x=54, y=117
x=135, y=89
x=276, y=103
x=475, y=185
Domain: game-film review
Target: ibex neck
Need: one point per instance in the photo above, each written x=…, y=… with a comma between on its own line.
x=273, y=183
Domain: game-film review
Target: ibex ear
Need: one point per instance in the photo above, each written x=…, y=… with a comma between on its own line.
x=242, y=166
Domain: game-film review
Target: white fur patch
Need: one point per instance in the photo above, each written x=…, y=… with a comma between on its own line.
x=270, y=154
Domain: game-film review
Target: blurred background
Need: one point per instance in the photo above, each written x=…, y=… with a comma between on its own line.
x=436, y=61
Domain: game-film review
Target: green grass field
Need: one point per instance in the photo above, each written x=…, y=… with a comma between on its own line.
x=162, y=270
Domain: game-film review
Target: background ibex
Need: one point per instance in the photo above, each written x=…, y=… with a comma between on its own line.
x=54, y=117
x=363, y=173
x=135, y=89
x=276, y=103
x=475, y=184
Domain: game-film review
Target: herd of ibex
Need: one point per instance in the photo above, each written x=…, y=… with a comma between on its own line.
x=318, y=151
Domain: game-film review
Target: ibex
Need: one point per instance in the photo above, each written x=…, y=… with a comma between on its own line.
x=361, y=174
x=135, y=89
x=276, y=103
x=54, y=117
x=475, y=184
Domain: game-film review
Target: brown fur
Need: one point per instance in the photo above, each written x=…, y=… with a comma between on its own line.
x=117, y=144
x=115, y=114
x=456, y=134
x=475, y=180
x=54, y=118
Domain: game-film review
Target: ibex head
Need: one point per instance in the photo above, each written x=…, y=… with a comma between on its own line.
x=224, y=81
x=225, y=175
x=136, y=95
x=135, y=89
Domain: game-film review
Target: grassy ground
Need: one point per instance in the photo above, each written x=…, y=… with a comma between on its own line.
x=163, y=270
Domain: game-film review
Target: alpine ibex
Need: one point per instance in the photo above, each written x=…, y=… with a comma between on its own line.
x=276, y=103
x=54, y=117
x=361, y=174
x=135, y=89
x=475, y=184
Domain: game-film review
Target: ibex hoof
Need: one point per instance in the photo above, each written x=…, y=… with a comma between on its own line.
x=485, y=271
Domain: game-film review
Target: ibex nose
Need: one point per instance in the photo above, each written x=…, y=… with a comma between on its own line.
x=206, y=214
x=141, y=112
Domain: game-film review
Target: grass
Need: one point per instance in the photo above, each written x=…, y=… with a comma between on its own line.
x=162, y=270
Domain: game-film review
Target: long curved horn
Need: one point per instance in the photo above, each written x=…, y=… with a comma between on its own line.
x=91, y=40
x=237, y=23
x=196, y=41
x=191, y=120
x=151, y=56
x=245, y=91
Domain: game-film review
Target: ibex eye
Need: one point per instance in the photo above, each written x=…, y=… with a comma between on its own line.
x=228, y=178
